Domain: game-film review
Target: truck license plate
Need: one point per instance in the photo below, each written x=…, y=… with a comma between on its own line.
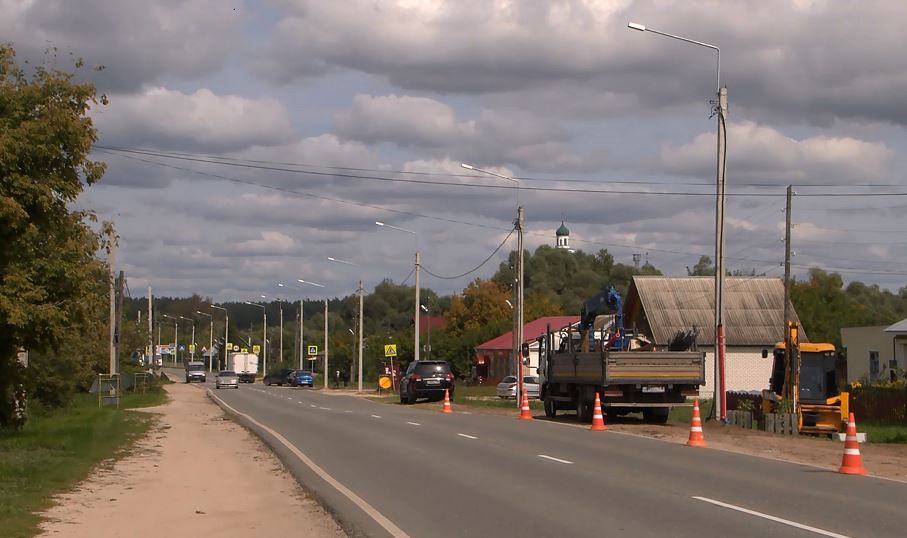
x=654, y=388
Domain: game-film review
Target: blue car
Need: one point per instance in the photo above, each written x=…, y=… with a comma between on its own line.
x=303, y=378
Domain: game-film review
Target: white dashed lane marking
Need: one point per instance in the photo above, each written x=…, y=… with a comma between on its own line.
x=555, y=459
x=467, y=436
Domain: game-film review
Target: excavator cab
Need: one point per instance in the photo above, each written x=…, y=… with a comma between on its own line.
x=822, y=398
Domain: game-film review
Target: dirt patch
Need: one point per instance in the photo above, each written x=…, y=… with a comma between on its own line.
x=196, y=473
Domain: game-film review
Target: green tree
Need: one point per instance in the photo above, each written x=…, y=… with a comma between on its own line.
x=703, y=267
x=47, y=252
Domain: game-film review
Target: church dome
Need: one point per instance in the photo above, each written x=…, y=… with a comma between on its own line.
x=562, y=231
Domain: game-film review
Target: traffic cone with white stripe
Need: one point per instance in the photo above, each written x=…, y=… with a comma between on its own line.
x=852, y=462
x=447, y=407
x=696, y=438
x=524, y=408
x=598, y=419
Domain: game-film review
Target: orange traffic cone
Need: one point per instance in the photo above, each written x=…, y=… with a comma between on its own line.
x=852, y=462
x=447, y=408
x=598, y=420
x=524, y=408
x=696, y=438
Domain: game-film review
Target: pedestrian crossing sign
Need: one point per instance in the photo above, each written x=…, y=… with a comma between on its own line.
x=313, y=350
x=390, y=350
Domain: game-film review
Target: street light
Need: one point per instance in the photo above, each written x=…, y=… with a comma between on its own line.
x=361, y=292
x=280, y=306
x=175, y=334
x=192, y=342
x=210, y=338
x=720, y=109
x=301, y=320
x=264, y=335
x=418, y=265
x=226, y=333
x=301, y=281
x=518, y=311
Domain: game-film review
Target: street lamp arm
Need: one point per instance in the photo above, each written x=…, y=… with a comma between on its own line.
x=345, y=262
x=385, y=225
x=301, y=281
x=644, y=28
x=489, y=172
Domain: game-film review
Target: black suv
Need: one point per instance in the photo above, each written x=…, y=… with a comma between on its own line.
x=426, y=379
x=279, y=377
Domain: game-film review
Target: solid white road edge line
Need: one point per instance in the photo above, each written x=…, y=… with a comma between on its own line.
x=771, y=518
x=379, y=518
x=467, y=436
x=555, y=459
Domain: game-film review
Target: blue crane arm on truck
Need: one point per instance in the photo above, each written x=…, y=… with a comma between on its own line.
x=627, y=380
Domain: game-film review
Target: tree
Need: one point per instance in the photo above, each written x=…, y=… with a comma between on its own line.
x=703, y=267
x=48, y=266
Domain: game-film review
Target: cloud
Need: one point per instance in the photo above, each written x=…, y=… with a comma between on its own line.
x=137, y=41
x=758, y=153
x=201, y=121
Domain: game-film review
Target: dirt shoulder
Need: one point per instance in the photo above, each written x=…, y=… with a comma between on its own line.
x=196, y=473
x=880, y=459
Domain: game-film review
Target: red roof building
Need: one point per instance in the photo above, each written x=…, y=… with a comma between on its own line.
x=494, y=359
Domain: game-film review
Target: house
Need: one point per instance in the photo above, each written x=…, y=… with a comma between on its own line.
x=494, y=359
x=659, y=306
x=875, y=353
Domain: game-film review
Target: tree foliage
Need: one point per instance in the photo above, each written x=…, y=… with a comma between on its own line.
x=48, y=266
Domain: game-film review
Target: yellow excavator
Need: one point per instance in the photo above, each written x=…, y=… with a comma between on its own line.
x=810, y=380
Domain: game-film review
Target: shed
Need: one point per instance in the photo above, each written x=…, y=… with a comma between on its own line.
x=659, y=306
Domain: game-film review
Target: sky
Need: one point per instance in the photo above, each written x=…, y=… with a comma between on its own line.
x=248, y=141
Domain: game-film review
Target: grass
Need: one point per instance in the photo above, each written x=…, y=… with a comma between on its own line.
x=55, y=450
x=883, y=433
x=685, y=414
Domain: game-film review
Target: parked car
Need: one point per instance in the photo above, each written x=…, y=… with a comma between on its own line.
x=279, y=377
x=508, y=386
x=426, y=379
x=226, y=378
x=302, y=378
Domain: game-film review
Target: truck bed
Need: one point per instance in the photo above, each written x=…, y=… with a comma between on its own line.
x=628, y=368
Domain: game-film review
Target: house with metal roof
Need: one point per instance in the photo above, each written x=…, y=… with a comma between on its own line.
x=660, y=306
x=494, y=359
x=877, y=353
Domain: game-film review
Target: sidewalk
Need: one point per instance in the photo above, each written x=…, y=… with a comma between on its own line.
x=196, y=473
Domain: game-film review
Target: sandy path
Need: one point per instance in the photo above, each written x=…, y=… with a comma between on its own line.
x=196, y=473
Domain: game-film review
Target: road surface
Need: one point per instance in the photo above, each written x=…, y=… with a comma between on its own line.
x=405, y=470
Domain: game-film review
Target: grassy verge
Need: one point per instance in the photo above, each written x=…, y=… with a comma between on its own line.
x=55, y=450
x=883, y=433
x=685, y=414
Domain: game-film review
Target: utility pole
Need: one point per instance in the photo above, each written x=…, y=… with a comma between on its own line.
x=418, y=302
x=720, y=395
x=111, y=261
x=280, y=304
x=788, y=344
x=520, y=218
x=150, y=354
x=301, y=340
x=326, y=373
x=120, y=284
x=361, y=293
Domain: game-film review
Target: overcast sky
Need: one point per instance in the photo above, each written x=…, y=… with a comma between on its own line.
x=561, y=92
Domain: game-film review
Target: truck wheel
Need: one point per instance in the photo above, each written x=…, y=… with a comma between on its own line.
x=656, y=415
x=550, y=408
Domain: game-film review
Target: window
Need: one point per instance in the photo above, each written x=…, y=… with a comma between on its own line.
x=873, y=365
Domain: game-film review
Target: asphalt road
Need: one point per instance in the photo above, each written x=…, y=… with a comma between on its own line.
x=423, y=473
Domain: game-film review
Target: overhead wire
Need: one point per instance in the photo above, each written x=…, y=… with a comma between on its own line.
x=476, y=268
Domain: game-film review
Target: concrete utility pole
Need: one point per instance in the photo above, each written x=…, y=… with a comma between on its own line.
x=326, y=372
x=301, y=340
x=226, y=334
x=361, y=294
x=121, y=282
x=111, y=261
x=150, y=330
x=418, y=302
x=788, y=345
x=519, y=350
x=280, y=304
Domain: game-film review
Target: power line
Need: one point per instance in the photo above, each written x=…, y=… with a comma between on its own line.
x=473, y=270
x=477, y=185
